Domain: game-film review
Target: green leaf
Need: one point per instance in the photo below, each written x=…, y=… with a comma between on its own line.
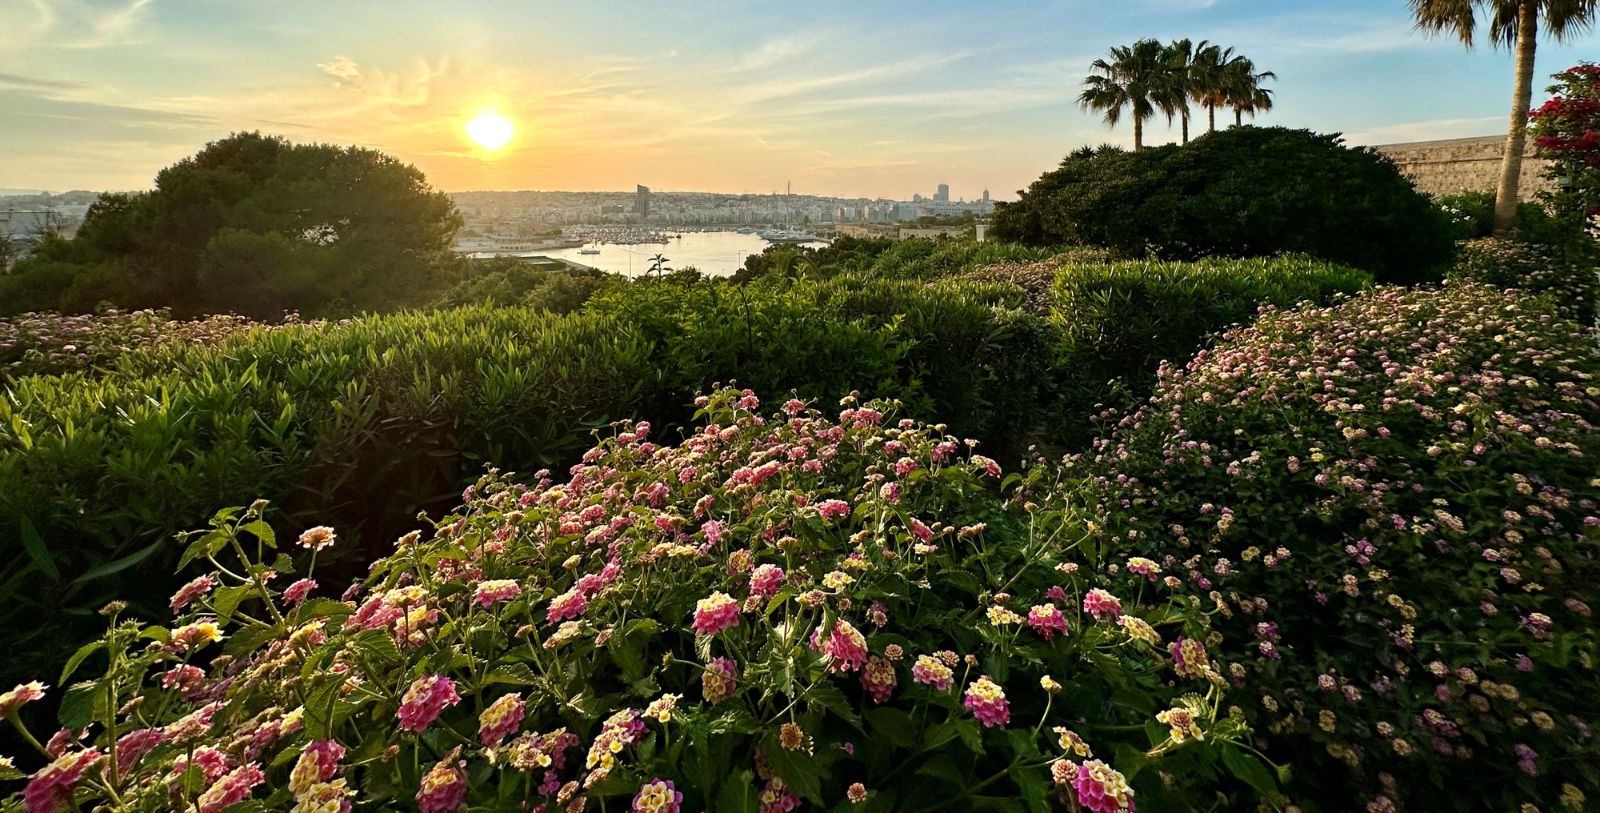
x=1251, y=770
x=37, y=550
x=828, y=696
x=227, y=599
x=207, y=545
x=77, y=705
x=1035, y=790
x=893, y=725
x=797, y=768
x=319, y=708
x=515, y=674
x=78, y=658
x=119, y=565
x=262, y=531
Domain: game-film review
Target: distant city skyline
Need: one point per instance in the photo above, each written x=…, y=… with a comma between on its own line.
x=850, y=100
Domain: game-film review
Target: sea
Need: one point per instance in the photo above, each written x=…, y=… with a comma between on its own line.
x=714, y=253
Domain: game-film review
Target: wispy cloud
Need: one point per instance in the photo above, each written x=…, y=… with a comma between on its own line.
x=14, y=80
x=73, y=23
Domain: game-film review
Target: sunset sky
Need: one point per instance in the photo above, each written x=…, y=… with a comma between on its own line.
x=876, y=98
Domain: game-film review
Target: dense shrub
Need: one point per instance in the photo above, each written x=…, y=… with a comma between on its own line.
x=375, y=418
x=1118, y=322
x=1245, y=191
x=1395, y=501
x=1038, y=278
x=961, y=350
x=370, y=421
x=1572, y=287
x=519, y=282
x=45, y=343
x=1471, y=214
x=914, y=258
x=776, y=612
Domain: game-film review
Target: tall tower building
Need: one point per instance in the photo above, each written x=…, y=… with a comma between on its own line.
x=943, y=194
x=641, y=205
x=985, y=196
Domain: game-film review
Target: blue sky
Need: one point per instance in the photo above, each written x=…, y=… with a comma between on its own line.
x=871, y=97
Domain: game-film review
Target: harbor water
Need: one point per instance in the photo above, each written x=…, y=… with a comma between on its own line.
x=716, y=253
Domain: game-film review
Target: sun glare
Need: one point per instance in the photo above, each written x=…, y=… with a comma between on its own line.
x=490, y=130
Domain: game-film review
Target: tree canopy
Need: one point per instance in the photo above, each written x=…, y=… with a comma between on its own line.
x=257, y=225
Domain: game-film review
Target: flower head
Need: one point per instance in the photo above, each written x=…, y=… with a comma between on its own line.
x=425, y=701
x=1102, y=789
x=193, y=590
x=22, y=695
x=879, y=679
x=719, y=681
x=444, y=787
x=931, y=671
x=988, y=703
x=317, y=538
x=657, y=796
x=494, y=591
x=844, y=647
x=715, y=613
x=1046, y=620
x=501, y=719
x=1101, y=604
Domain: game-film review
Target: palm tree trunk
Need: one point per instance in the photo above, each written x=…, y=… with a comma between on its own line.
x=1506, y=194
x=1238, y=117
x=1211, y=111
x=1186, y=125
x=1138, y=134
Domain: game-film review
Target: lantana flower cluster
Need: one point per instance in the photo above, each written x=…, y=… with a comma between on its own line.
x=1394, y=506
x=748, y=618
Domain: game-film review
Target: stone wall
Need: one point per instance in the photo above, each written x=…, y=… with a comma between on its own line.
x=1463, y=165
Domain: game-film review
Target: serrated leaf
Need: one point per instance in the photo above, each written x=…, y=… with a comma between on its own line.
x=226, y=600
x=319, y=708
x=78, y=658
x=797, y=768
x=77, y=705
x=828, y=696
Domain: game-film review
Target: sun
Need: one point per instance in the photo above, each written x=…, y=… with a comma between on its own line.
x=490, y=130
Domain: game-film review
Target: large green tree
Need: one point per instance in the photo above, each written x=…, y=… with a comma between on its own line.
x=257, y=225
x=1136, y=77
x=1515, y=25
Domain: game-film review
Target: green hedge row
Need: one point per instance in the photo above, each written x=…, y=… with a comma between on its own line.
x=363, y=423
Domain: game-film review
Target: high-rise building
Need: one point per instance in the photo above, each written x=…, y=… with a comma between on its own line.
x=986, y=196
x=641, y=205
x=943, y=194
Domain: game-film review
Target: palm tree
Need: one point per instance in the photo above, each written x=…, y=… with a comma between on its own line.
x=1243, y=91
x=1185, y=71
x=1208, y=76
x=1131, y=77
x=1514, y=24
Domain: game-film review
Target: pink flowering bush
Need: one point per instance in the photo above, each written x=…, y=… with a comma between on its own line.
x=46, y=343
x=1394, y=504
x=765, y=625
